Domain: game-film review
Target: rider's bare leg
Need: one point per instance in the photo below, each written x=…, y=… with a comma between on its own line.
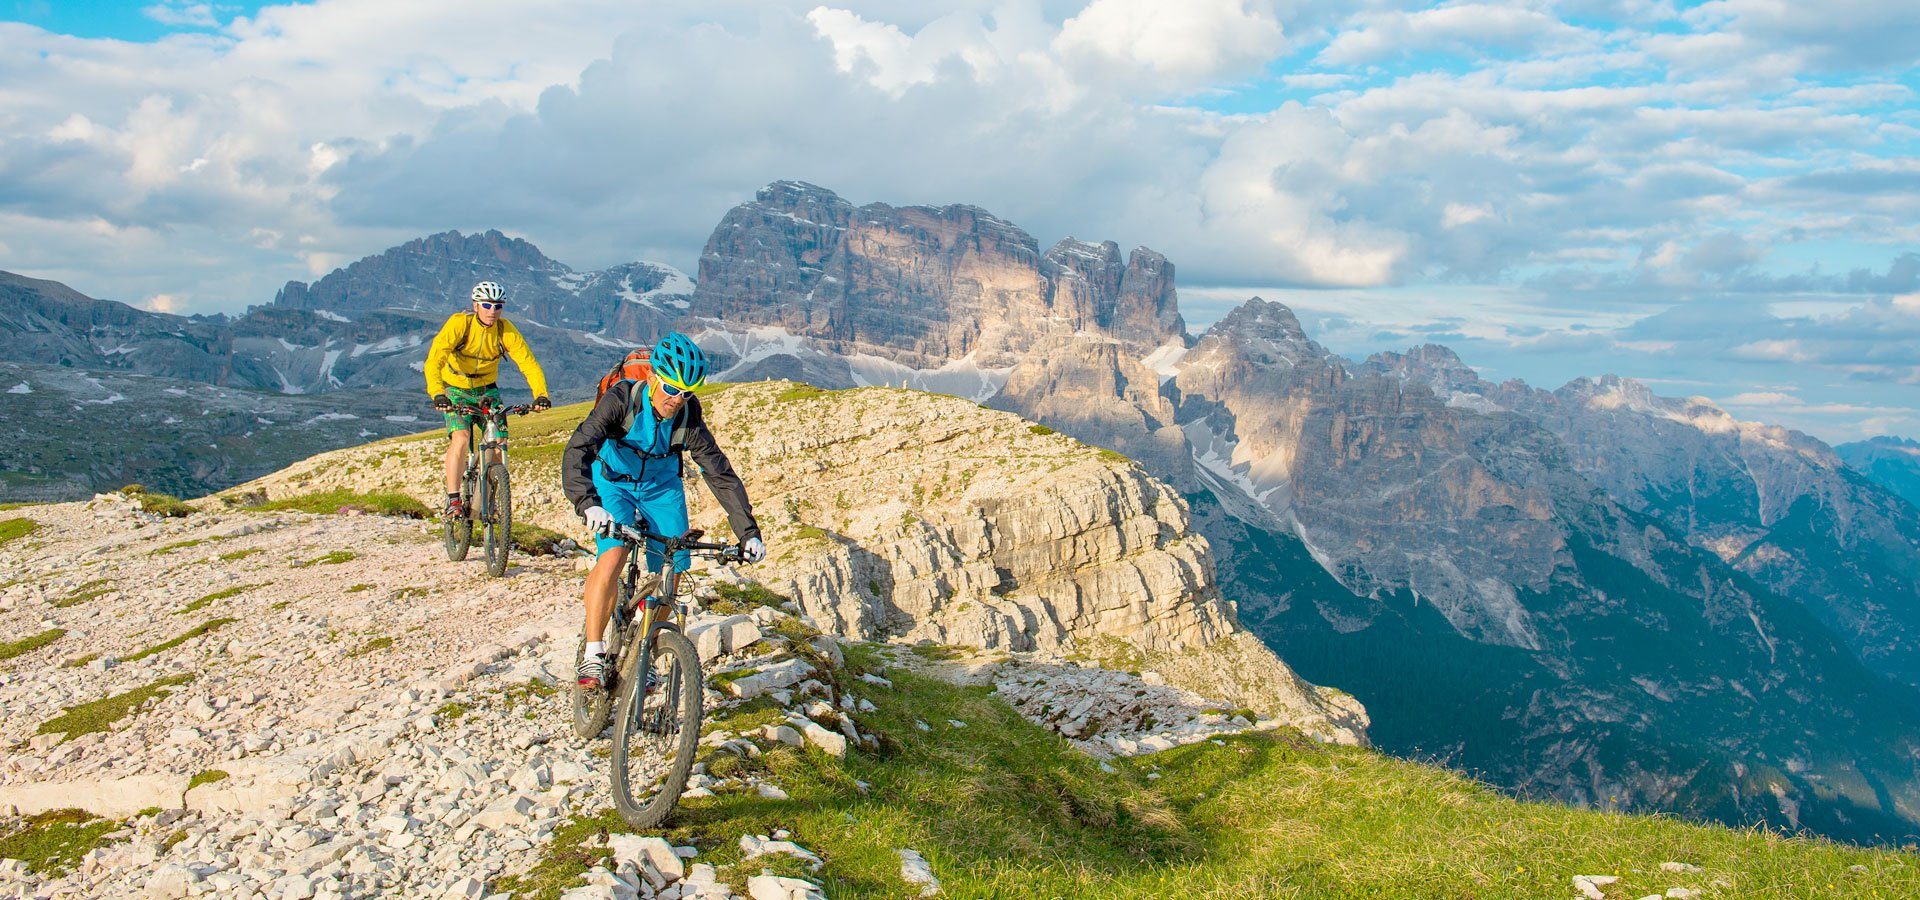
x=601, y=582
x=456, y=459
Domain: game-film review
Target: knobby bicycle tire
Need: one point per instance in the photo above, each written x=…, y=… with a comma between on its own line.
x=679, y=694
x=590, y=708
x=457, y=533
x=499, y=519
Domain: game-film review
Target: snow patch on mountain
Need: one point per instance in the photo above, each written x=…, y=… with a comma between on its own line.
x=962, y=377
x=1165, y=360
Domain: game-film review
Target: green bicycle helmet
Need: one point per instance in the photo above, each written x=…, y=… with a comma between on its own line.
x=679, y=362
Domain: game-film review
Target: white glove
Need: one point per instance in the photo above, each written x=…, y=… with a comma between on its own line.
x=599, y=521
x=754, y=550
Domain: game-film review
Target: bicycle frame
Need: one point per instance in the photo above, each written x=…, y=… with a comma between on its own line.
x=665, y=611
x=491, y=448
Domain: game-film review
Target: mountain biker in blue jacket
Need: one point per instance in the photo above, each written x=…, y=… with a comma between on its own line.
x=623, y=465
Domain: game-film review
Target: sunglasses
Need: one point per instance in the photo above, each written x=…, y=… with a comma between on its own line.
x=670, y=390
x=489, y=306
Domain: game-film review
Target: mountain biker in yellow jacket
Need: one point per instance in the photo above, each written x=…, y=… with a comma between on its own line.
x=463, y=366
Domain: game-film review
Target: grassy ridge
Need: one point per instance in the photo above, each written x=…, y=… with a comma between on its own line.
x=1005, y=809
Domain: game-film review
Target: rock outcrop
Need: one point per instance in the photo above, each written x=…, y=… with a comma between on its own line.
x=920, y=286
x=899, y=515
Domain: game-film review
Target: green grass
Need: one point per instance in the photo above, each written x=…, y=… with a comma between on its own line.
x=206, y=776
x=1114, y=456
x=240, y=554
x=196, y=605
x=185, y=636
x=99, y=715
x=92, y=590
x=357, y=588
x=373, y=646
x=380, y=503
x=14, y=529
x=1005, y=809
x=450, y=711
x=9, y=507
x=51, y=843
x=181, y=545
x=332, y=559
x=798, y=392
x=160, y=504
x=735, y=599
x=30, y=643
x=811, y=533
x=536, y=541
x=1040, y=430
x=81, y=661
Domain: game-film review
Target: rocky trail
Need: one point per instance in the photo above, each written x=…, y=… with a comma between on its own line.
x=287, y=705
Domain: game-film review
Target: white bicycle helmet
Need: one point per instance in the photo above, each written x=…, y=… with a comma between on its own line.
x=488, y=291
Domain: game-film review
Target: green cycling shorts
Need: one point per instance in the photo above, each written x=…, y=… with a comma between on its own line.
x=485, y=396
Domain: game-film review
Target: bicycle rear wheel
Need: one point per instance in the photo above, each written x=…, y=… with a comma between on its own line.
x=457, y=533
x=499, y=537
x=590, y=708
x=656, y=732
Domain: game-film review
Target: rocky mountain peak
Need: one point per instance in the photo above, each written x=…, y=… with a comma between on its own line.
x=1611, y=392
x=923, y=286
x=803, y=201
x=1434, y=365
x=428, y=273
x=1267, y=330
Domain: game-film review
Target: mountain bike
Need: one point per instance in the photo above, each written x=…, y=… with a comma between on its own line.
x=656, y=686
x=484, y=491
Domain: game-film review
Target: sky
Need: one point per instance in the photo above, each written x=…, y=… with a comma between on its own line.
x=1721, y=199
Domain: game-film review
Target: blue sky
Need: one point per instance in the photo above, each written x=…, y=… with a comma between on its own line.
x=1722, y=198
x=147, y=21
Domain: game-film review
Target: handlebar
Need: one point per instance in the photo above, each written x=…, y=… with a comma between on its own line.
x=468, y=409
x=689, y=542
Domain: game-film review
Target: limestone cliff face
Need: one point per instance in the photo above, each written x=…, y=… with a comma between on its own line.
x=920, y=286
x=894, y=514
x=1778, y=505
x=1093, y=388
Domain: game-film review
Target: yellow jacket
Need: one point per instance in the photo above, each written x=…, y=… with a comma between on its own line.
x=466, y=354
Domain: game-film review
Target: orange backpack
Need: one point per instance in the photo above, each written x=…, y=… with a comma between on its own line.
x=636, y=367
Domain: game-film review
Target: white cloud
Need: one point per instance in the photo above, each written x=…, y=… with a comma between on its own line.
x=1456, y=28
x=1761, y=398
x=1185, y=41
x=1845, y=34
x=176, y=12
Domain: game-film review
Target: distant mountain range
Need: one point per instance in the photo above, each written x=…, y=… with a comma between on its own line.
x=1593, y=593
x=364, y=326
x=1892, y=461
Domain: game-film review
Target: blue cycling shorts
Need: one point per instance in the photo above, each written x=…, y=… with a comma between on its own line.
x=645, y=506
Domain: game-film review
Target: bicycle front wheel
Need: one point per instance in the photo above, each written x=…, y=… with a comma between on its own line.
x=499, y=519
x=656, y=728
